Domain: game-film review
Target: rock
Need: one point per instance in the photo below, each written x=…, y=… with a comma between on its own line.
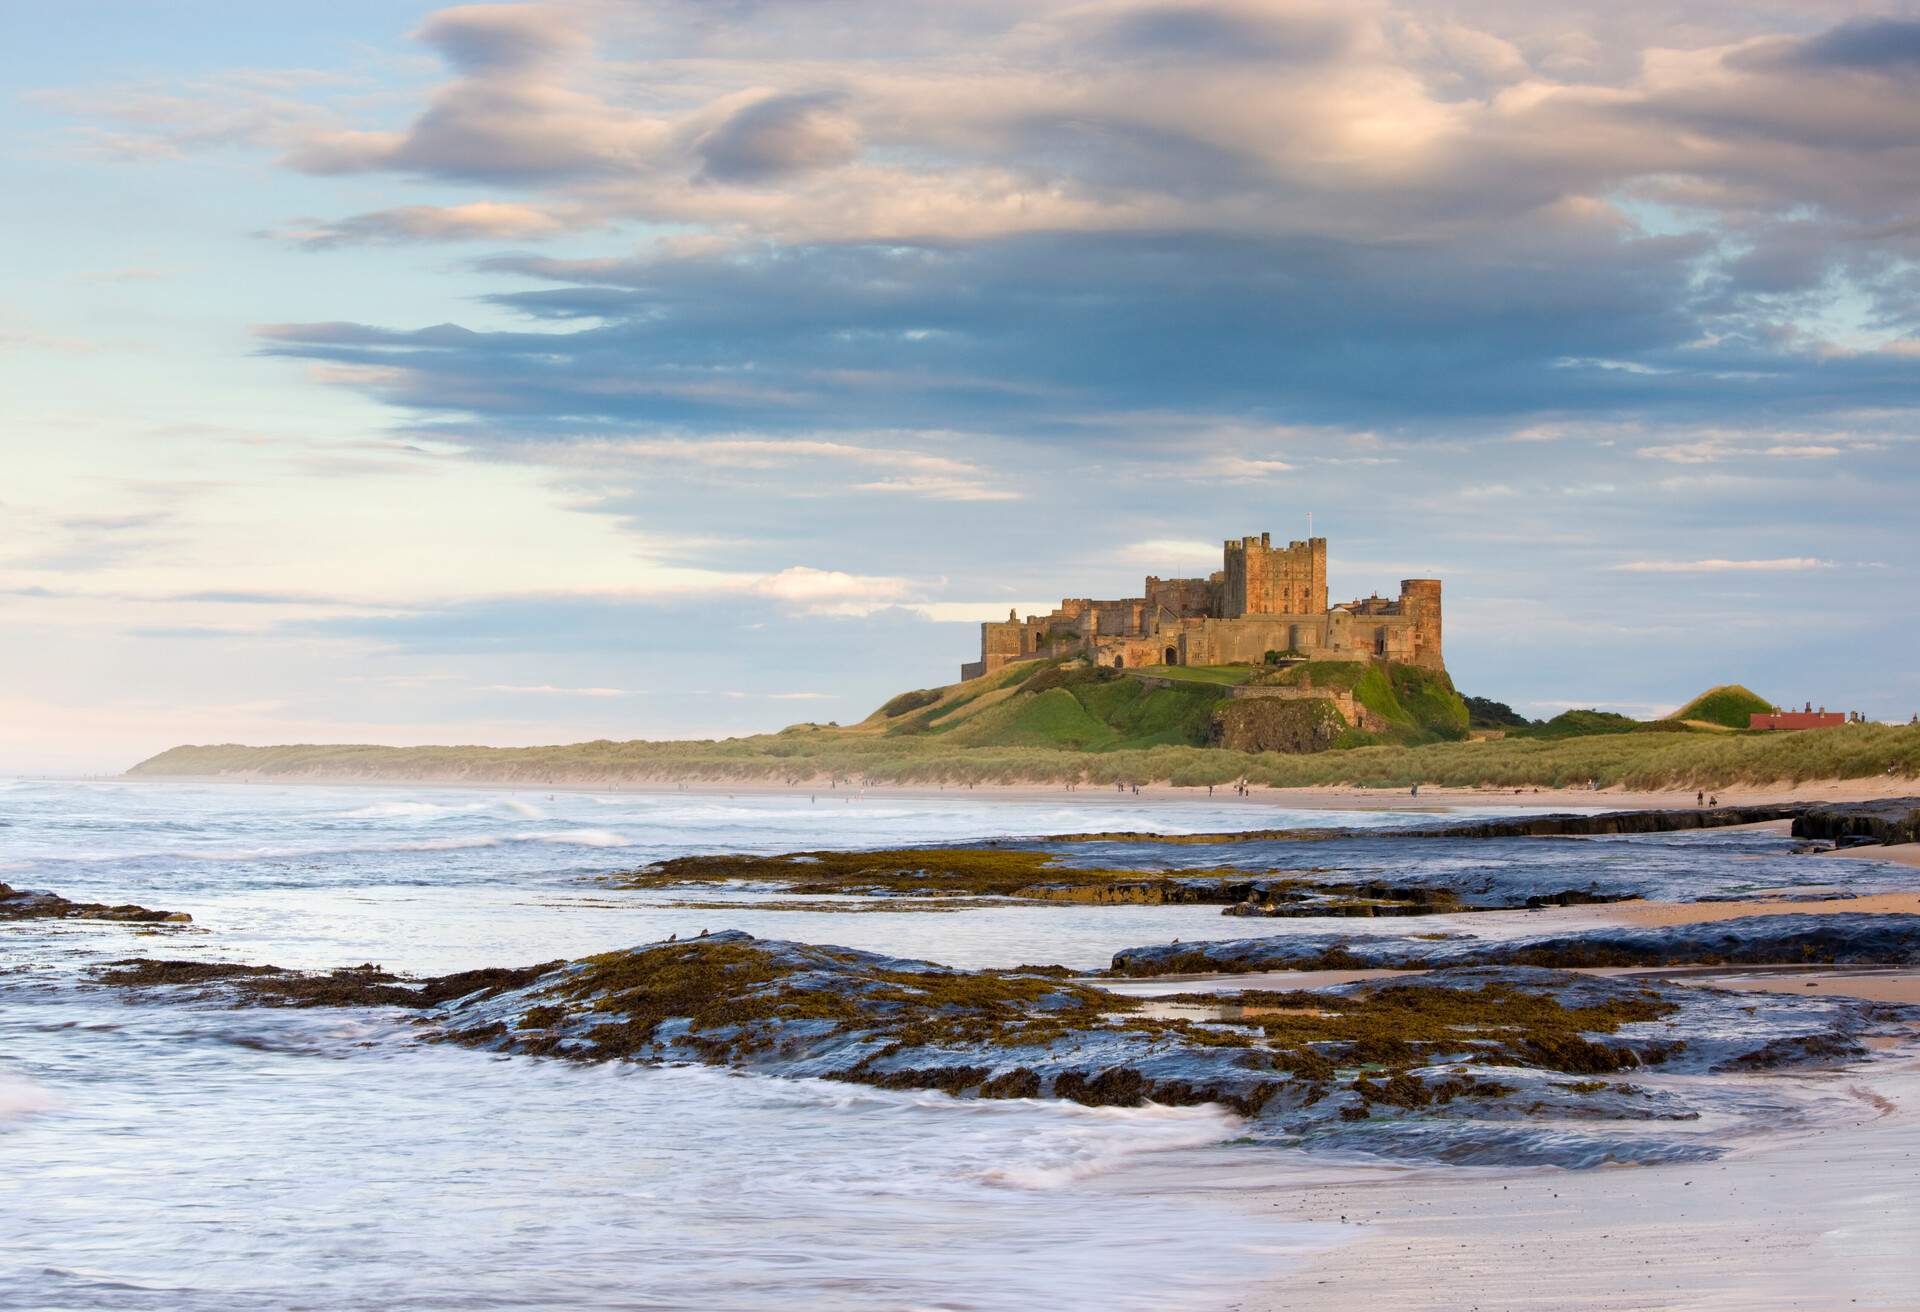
x=39, y=904
x=1610, y=822
x=1488, y=1064
x=1891, y=820
x=1846, y=938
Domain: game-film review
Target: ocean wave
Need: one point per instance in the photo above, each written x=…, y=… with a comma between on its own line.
x=1101, y=1140
x=393, y=810
x=578, y=838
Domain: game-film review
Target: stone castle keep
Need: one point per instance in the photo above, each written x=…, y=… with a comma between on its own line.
x=1263, y=599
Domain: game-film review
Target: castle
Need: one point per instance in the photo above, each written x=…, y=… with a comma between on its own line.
x=1263, y=599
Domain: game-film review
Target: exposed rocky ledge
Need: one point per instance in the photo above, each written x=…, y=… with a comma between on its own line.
x=1552, y=825
x=1891, y=820
x=1847, y=938
x=1038, y=876
x=1486, y=1064
x=39, y=904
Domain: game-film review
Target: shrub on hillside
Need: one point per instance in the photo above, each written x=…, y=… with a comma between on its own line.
x=1069, y=676
x=1485, y=713
x=910, y=701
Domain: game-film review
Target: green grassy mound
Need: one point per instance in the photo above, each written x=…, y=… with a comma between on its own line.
x=1729, y=705
x=1085, y=709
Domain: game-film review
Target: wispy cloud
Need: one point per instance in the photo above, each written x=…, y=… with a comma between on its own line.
x=549, y=690
x=1784, y=563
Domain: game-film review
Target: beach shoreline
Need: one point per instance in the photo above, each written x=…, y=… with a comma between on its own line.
x=1808, y=1220
x=1318, y=798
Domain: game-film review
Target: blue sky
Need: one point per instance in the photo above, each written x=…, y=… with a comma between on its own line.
x=529, y=373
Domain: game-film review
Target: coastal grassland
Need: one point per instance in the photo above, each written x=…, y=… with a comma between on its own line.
x=805, y=754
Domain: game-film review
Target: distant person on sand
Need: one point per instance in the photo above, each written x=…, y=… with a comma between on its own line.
x=1700, y=798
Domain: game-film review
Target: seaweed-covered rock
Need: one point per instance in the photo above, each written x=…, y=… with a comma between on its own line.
x=1890, y=820
x=349, y=986
x=1677, y=820
x=1479, y=1064
x=1847, y=938
x=39, y=904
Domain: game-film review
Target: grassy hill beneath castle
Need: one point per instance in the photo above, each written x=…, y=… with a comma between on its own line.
x=1072, y=706
x=1046, y=722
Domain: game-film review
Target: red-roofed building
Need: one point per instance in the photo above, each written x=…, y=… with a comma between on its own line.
x=1820, y=719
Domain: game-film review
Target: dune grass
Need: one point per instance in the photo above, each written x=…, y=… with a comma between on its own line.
x=809, y=753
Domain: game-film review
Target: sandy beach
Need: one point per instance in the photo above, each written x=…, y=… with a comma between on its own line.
x=1338, y=798
x=1812, y=1222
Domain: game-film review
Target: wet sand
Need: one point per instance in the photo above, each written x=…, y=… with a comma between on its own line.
x=1655, y=914
x=1814, y=1222
x=1906, y=854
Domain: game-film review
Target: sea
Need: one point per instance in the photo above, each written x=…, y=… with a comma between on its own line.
x=169, y=1155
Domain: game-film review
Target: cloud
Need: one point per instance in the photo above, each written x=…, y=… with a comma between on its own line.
x=495, y=39
x=1783, y=564
x=844, y=466
x=473, y=221
x=831, y=591
x=548, y=690
x=779, y=135
x=1877, y=45
x=1159, y=553
x=1303, y=212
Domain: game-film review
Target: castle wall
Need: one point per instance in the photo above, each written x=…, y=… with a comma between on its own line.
x=1185, y=598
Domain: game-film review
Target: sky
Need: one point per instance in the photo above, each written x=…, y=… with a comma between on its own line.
x=528, y=373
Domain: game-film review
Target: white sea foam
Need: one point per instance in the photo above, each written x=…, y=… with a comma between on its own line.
x=20, y=1098
x=393, y=810
x=1096, y=1141
x=578, y=838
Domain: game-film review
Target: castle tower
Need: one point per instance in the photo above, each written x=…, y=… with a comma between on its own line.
x=1420, y=599
x=1262, y=579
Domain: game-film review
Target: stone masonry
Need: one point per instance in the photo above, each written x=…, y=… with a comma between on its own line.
x=1263, y=599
